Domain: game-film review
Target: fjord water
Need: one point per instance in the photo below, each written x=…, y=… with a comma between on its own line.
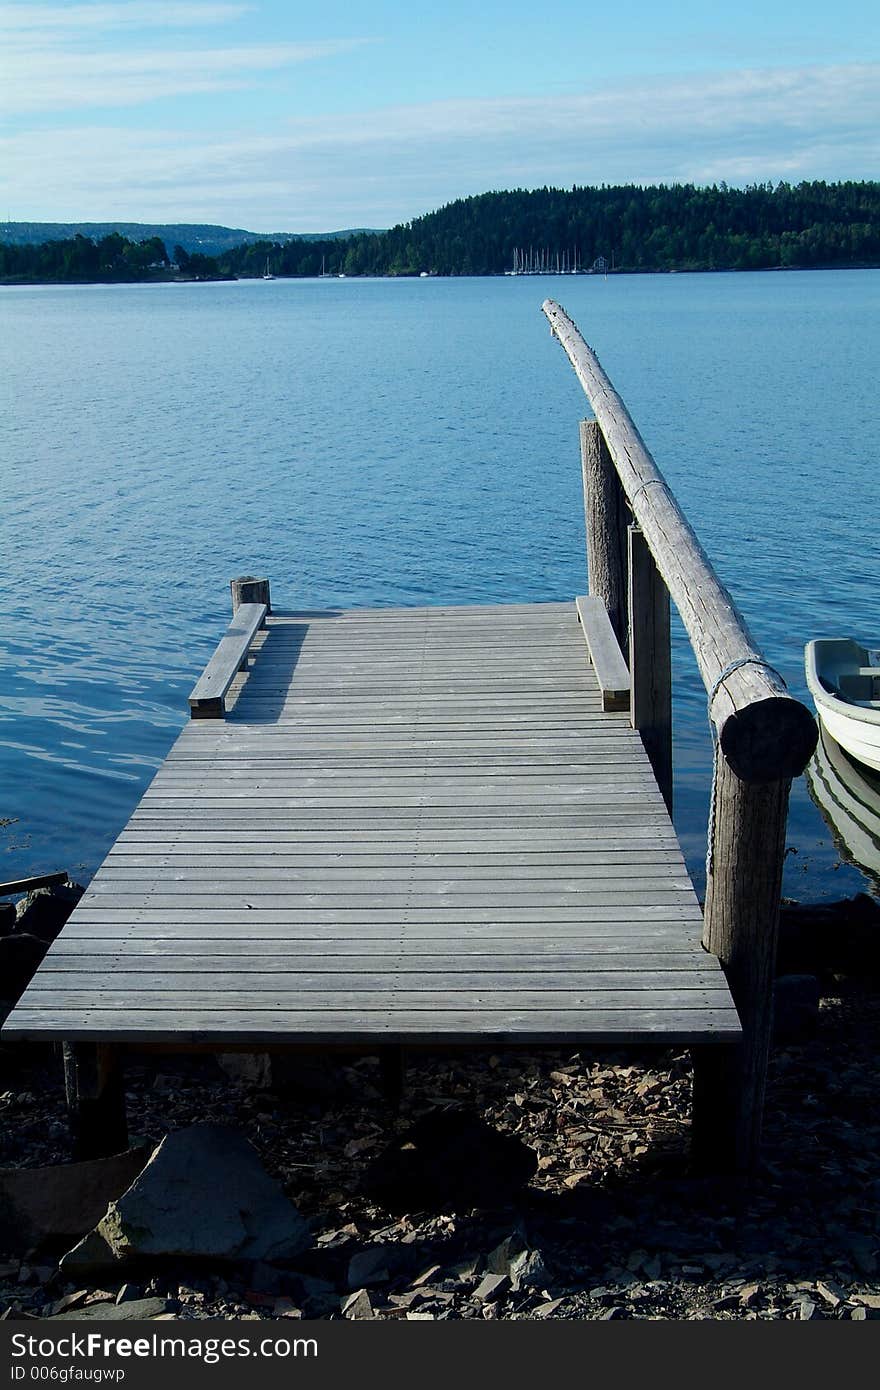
x=398, y=442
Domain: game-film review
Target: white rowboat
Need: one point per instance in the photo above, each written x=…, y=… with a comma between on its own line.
x=844, y=681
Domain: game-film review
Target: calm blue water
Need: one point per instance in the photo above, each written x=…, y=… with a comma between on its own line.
x=397, y=442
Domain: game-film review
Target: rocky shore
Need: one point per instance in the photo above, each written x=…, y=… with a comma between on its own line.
x=511, y=1185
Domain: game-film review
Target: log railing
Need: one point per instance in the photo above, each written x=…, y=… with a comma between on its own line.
x=642, y=551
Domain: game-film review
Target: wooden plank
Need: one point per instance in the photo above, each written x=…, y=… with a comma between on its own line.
x=609, y=664
x=276, y=851
x=603, y=919
x=208, y=695
x=687, y=1027
x=540, y=987
x=247, y=958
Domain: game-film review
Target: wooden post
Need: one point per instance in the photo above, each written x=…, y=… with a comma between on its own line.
x=247, y=589
x=715, y=1108
x=606, y=515
x=95, y=1099
x=741, y=925
x=650, y=660
x=392, y=1070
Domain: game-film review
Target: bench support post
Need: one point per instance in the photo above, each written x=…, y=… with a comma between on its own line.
x=95, y=1099
x=249, y=590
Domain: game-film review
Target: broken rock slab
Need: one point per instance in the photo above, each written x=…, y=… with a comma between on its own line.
x=61, y=1202
x=204, y=1194
x=133, y=1311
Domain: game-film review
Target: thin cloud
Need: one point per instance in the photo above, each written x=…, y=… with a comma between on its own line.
x=384, y=166
x=140, y=14
x=64, y=80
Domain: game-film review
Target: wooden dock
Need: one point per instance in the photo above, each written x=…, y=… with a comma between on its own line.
x=394, y=827
x=413, y=826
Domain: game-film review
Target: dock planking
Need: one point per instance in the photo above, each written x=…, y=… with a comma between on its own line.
x=412, y=826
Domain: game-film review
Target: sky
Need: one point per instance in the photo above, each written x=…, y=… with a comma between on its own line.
x=278, y=116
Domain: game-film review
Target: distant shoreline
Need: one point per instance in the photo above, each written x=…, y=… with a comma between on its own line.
x=15, y=282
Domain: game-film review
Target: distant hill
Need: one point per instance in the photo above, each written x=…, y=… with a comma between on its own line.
x=618, y=228
x=193, y=237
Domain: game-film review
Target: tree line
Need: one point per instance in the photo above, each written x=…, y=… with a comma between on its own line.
x=632, y=228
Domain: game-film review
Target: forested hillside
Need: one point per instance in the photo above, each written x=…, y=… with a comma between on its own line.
x=658, y=228
x=662, y=228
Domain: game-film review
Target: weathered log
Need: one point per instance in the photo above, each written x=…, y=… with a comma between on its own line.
x=247, y=589
x=765, y=734
x=607, y=517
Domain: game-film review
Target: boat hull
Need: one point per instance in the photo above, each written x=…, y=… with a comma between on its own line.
x=854, y=723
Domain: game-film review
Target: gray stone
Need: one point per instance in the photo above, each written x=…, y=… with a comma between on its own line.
x=546, y=1310
x=498, y=1260
x=726, y=1301
x=358, y=1306
x=808, y=1312
x=491, y=1286
x=832, y=1293
x=70, y=1300
x=129, y=1293
x=203, y=1194
x=528, y=1270
x=134, y=1311
x=614, y=1313
x=91, y=1256
x=375, y=1265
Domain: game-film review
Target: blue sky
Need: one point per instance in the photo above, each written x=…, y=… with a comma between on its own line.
x=280, y=116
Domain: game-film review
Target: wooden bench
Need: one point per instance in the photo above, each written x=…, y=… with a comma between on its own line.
x=208, y=698
x=609, y=663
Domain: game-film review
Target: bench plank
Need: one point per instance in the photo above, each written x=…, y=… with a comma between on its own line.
x=608, y=660
x=207, y=700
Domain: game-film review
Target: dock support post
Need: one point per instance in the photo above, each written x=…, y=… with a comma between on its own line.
x=606, y=515
x=741, y=925
x=392, y=1068
x=650, y=660
x=715, y=1108
x=95, y=1099
x=247, y=589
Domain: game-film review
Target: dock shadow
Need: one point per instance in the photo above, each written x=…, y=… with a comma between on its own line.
x=261, y=697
